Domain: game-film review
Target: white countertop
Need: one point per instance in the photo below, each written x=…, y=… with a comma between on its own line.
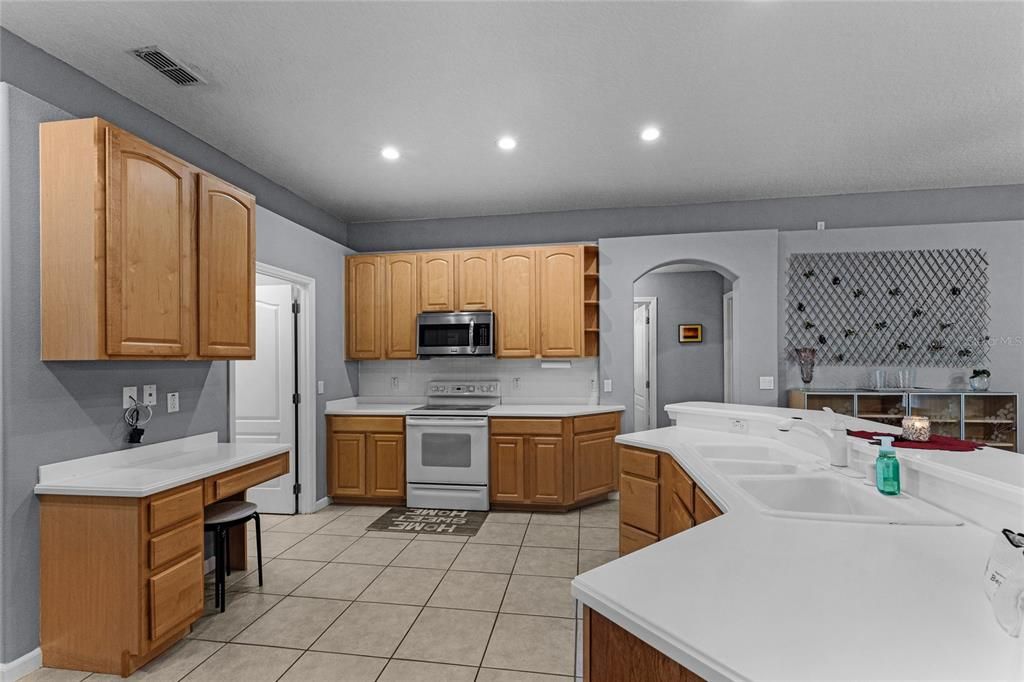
x=371, y=407
x=758, y=597
x=149, y=469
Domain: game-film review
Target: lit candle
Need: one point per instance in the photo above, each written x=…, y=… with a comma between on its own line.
x=916, y=428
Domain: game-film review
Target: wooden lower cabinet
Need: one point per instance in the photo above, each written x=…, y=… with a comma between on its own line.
x=552, y=463
x=366, y=459
x=657, y=499
x=610, y=654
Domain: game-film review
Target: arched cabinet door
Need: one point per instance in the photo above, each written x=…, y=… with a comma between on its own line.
x=515, y=294
x=227, y=270
x=149, y=249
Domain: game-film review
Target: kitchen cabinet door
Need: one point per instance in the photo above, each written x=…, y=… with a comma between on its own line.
x=515, y=294
x=385, y=455
x=594, y=464
x=560, y=286
x=475, y=275
x=227, y=270
x=346, y=464
x=507, y=476
x=437, y=281
x=401, y=286
x=544, y=466
x=638, y=503
x=675, y=499
x=364, y=307
x=703, y=508
x=149, y=249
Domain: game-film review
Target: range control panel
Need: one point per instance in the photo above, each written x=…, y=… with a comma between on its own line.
x=485, y=387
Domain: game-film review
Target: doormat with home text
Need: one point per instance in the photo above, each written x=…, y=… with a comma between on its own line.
x=439, y=521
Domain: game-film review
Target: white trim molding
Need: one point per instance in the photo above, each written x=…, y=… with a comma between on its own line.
x=20, y=667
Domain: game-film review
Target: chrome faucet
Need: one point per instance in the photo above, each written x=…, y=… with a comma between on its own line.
x=834, y=437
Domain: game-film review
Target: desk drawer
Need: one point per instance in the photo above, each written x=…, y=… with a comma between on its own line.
x=175, y=544
x=238, y=480
x=176, y=596
x=174, y=506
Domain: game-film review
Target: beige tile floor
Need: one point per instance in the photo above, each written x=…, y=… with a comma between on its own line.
x=339, y=603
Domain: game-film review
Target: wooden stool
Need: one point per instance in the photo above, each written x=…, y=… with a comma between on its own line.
x=221, y=517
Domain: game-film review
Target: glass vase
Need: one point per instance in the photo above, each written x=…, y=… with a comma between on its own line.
x=805, y=358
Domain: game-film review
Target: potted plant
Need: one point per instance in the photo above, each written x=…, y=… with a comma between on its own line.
x=979, y=379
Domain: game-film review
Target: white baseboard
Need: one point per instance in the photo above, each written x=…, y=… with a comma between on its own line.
x=614, y=495
x=20, y=667
x=322, y=503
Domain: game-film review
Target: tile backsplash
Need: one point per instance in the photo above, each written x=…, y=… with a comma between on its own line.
x=573, y=381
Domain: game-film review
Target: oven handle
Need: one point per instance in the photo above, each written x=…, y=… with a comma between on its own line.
x=441, y=421
x=472, y=345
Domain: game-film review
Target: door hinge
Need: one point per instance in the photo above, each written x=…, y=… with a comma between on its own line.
x=647, y=321
x=647, y=384
x=295, y=307
x=296, y=488
x=296, y=398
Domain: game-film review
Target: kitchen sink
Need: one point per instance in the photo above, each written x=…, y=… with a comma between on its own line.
x=749, y=453
x=734, y=467
x=828, y=497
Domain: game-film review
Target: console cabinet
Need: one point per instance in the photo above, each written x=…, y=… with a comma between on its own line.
x=657, y=499
x=366, y=459
x=552, y=463
x=142, y=255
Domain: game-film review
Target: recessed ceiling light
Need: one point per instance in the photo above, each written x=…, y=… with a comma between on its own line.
x=390, y=153
x=650, y=134
x=507, y=142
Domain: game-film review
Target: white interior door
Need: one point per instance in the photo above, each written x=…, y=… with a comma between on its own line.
x=727, y=344
x=264, y=412
x=641, y=367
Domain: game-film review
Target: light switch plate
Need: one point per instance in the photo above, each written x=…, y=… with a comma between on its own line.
x=128, y=396
x=320, y=388
x=767, y=383
x=607, y=385
x=172, y=402
x=149, y=394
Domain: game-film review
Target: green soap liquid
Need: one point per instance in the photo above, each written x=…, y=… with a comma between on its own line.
x=887, y=475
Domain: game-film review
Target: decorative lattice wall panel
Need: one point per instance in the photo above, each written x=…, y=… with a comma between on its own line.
x=890, y=308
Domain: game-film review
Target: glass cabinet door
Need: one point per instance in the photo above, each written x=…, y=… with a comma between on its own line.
x=942, y=410
x=840, y=403
x=991, y=418
x=887, y=408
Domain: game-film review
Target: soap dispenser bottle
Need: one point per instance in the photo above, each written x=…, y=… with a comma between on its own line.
x=887, y=468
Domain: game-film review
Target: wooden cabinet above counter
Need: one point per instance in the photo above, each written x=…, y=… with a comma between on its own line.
x=142, y=255
x=545, y=299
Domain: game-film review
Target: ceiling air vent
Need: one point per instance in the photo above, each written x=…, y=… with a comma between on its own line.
x=169, y=67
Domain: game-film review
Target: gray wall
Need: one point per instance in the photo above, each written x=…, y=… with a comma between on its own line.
x=921, y=207
x=1003, y=243
x=686, y=371
x=287, y=245
x=749, y=258
x=25, y=66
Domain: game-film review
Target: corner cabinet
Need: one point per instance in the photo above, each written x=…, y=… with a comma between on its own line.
x=142, y=255
x=366, y=459
x=552, y=463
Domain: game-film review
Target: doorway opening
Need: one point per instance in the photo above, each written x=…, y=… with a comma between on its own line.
x=273, y=398
x=682, y=339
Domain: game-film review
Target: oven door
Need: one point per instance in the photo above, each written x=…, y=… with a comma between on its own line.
x=446, y=450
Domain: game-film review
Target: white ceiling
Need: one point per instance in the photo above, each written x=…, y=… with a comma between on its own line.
x=756, y=100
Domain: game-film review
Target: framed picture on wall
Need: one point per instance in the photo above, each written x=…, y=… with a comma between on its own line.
x=691, y=333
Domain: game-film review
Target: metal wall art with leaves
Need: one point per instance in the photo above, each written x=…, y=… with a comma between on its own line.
x=925, y=308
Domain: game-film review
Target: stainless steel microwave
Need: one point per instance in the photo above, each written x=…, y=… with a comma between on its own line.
x=464, y=333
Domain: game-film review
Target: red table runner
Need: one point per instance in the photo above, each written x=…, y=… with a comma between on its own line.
x=934, y=443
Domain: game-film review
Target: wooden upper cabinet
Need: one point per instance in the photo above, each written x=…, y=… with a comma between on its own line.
x=401, y=289
x=515, y=293
x=560, y=284
x=364, y=294
x=142, y=255
x=149, y=249
x=227, y=270
x=474, y=272
x=437, y=281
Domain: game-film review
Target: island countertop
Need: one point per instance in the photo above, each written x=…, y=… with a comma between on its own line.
x=149, y=469
x=749, y=596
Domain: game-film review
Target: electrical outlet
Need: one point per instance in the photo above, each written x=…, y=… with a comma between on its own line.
x=172, y=402
x=738, y=426
x=149, y=394
x=515, y=383
x=394, y=383
x=129, y=394
x=319, y=388
x=593, y=385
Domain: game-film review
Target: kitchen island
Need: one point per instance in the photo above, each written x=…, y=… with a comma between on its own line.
x=757, y=595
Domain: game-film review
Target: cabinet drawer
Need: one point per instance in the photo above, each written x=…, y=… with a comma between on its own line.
x=638, y=462
x=367, y=424
x=237, y=480
x=176, y=596
x=596, y=422
x=173, y=507
x=631, y=539
x=638, y=503
x=517, y=427
x=175, y=544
